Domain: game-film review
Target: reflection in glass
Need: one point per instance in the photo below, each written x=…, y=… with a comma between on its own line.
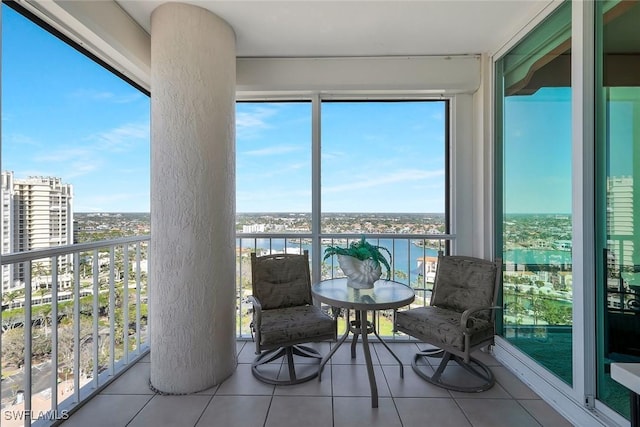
x=618, y=140
x=534, y=151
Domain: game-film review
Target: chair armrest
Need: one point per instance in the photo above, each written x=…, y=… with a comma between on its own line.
x=467, y=313
x=257, y=308
x=257, y=318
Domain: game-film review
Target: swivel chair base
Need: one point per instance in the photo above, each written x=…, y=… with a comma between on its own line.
x=482, y=377
x=288, y=352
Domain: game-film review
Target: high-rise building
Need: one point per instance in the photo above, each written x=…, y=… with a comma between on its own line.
x=620, y=221
x=7, y=227
x=37, y=213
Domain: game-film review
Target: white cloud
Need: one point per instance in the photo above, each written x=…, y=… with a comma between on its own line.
x=326, y=155
x=114, y=202
x=271, y=151
x=70, y=162
x=250, y=123
x=81, y=159
x=95, y=95
x=121, y=138
x=80, y=168
x=62, y=155
x=439, y=116
x=20, y=139
x=389, y=178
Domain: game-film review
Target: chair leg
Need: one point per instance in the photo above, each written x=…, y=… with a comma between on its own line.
x=481, y=374
x=446, y=356
x=292, y=368
x=287, y=353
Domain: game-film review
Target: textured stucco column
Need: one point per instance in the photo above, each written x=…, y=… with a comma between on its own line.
x=192, y=263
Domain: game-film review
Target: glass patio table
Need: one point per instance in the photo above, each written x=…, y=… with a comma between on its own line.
x=385, y=295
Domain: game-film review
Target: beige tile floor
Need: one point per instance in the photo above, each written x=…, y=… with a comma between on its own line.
x=341, y=399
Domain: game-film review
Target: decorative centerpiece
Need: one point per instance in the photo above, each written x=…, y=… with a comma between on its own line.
x=361, y=262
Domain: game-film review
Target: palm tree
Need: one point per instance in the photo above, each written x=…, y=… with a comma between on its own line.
x=38, y=270
x=42, y=290
x=8, y=297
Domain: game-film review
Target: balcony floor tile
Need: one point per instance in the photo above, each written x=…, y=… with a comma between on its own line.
x=107, y=410
x=134, y=381
x=341, y=399
x=226, y=411
x=169, y=411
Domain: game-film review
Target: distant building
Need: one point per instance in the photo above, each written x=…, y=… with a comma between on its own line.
x=620, y=225
x=7, y=227
x=427, y=267
x=37, y=213
x=540, y=244
x=253, y=228
x=563, y=245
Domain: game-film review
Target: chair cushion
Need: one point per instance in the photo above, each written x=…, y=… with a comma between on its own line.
x=282, y=282
x=285, y=326
x=463, y=283
x=441, y=327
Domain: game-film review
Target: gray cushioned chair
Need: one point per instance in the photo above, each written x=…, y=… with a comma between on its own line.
x=284, y=317
x=459, y=320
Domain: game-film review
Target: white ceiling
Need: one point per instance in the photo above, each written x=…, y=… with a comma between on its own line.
x=320, y=28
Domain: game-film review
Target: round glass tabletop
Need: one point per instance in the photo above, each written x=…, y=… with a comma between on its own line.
x=385, y=294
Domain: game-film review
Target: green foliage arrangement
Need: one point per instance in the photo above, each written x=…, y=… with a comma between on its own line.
x=363, y=250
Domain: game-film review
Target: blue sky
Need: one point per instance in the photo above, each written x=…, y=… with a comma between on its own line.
x=65, y=116
x=537, y=154
x=376, y=157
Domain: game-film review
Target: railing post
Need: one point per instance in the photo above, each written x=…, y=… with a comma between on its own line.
x=112, y=314
x=125, y=302
x=26, y=371
x=76, y=333
x=96, y=309
x=138, y=299
x=54, y=335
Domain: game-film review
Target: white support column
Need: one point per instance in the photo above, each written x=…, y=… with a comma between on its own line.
x=192, y=290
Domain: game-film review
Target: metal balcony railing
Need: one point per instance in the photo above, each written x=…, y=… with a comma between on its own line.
x=68, y=328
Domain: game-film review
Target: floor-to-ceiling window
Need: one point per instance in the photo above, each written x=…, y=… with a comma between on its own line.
x=533, y=212
x=273, y=158
x=618, y=165
x=273, y=187
x=75, y=145
x=384, y=174
x=385, y=158
x=384, y=171
x=377, y=168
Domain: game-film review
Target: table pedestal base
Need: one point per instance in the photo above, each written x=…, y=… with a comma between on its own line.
x=362, y=327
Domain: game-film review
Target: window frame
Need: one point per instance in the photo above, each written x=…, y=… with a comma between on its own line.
x=316, y=99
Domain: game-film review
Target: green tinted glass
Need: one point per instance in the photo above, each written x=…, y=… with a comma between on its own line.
x=534, y=193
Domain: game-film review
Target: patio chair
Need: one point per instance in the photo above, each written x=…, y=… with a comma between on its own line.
x=284, y=317
x=459, y=320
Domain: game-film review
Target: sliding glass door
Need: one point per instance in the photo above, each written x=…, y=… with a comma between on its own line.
x=618, y=162
x=533, y=213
